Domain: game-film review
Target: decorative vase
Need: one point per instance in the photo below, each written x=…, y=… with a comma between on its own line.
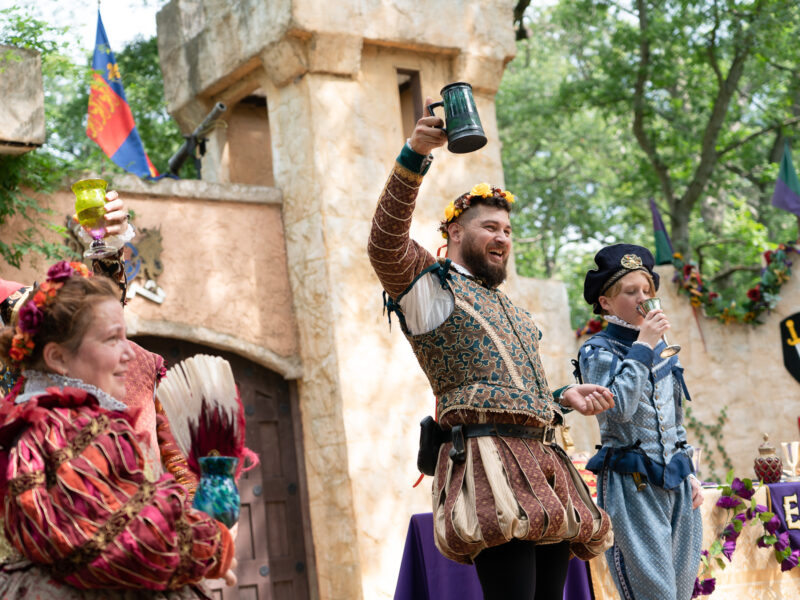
x=217, y=494
x=768, y=465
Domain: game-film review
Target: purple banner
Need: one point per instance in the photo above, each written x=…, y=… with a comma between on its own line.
x=786, y=198
x=784, y=497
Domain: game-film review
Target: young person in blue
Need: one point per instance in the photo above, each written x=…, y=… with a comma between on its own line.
x=644, y=467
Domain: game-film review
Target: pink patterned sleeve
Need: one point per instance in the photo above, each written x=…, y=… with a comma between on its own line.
x=77, y=500
x=395, y=257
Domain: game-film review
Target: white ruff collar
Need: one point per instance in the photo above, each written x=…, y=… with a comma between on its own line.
x=37, y=382
x=622, y=323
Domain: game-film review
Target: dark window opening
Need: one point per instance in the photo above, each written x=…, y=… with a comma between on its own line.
x=410, y=91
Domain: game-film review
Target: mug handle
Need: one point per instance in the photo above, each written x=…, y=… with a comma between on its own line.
x=430, y=110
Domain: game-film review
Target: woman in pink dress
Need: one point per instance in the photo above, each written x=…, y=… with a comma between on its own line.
x=81, y=513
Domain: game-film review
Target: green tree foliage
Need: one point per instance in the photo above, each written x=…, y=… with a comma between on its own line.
x=68, y=151
x=609, y=104
x=23, y=176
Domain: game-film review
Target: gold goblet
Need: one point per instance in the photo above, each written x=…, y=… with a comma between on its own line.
x=653, y=304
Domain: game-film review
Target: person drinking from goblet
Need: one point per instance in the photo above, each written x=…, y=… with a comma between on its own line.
x=80, y=512
x=644, y=468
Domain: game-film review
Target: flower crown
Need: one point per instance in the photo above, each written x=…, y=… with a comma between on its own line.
x=31, y=317
x=483, y=190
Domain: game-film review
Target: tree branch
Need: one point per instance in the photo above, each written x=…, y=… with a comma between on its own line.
x=783, y=68
x=718, y=242
x=639, y=132
x=747, y=175
x=743, y=141
x=708, y=153
x=528, y=240
x=712, y=46
x=554, y=177
x=731, y=270
x=519, y=12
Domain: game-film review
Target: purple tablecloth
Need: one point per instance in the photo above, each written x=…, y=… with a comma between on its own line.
x=427, y=575
x=784, y=498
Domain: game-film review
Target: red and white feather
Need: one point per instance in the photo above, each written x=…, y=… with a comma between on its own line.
x=205, y=411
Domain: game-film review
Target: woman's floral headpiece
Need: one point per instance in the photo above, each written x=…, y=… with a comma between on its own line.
x=483, y=190
x=31, y=317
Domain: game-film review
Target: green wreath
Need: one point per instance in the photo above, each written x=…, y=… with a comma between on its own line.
x=760, y=299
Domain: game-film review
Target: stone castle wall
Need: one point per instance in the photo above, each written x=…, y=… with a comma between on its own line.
x=224, y=271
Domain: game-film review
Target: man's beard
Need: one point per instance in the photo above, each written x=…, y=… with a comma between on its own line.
x=477, y=263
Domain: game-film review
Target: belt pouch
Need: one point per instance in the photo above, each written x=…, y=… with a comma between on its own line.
x=430, y=439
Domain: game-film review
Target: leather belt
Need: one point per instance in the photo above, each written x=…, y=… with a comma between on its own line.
x=459, y=433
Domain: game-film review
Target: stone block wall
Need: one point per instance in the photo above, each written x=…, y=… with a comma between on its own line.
x=22, y=105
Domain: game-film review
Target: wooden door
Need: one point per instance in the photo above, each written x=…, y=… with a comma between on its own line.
x=271, y=542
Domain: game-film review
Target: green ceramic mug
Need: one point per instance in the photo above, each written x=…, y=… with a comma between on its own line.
x=462, y=123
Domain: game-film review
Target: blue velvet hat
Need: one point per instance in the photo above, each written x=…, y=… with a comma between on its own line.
x=613, y=263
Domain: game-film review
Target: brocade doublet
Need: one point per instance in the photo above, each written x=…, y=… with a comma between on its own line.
x=484, y=359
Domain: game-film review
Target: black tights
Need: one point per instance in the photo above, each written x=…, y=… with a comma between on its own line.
x=509, y=571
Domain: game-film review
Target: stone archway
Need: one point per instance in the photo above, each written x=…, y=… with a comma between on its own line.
x=273, y=545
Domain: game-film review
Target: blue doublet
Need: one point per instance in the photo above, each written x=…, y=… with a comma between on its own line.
x=657, y=534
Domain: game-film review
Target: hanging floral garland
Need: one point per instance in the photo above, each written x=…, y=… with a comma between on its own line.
x=737, y=498
x=761, y=298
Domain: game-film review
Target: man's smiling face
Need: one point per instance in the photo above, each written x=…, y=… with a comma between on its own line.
x=485, y=242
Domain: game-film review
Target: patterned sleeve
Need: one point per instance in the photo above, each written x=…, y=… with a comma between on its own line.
x=395, y=257
x=113, y=267
x=77, y=501
x=629, y=382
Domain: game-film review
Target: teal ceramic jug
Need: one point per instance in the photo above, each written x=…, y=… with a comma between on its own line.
x=217, y=494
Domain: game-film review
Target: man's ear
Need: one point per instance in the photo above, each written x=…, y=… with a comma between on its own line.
x=55, y=357
x=454, y=232
x=604, y=303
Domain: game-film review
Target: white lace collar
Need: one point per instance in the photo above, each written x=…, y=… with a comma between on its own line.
x=622, y=323
x=37, y=382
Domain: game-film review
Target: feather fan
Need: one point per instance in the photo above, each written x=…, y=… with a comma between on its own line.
x=205, y=412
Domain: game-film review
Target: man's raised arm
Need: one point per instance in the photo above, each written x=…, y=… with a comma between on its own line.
x=396, y=258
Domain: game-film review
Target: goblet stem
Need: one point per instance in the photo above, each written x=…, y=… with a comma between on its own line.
x=670, y=350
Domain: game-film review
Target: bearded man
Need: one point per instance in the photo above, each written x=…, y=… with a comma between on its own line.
x=505, y=495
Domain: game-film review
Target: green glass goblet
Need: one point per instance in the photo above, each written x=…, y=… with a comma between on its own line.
x=90, y=200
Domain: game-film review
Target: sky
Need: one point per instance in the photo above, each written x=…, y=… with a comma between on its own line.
x=122, y=19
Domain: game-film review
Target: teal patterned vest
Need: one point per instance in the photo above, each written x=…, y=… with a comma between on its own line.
x=484, y=359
